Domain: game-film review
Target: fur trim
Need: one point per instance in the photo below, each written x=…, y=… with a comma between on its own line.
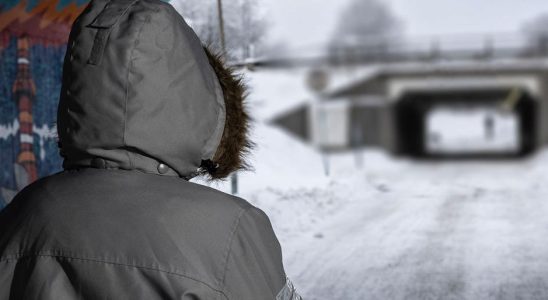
x=235, y=143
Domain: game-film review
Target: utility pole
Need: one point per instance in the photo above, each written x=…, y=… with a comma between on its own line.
x=221, y=25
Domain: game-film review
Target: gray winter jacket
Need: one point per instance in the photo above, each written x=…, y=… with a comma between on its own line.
x=140, y=109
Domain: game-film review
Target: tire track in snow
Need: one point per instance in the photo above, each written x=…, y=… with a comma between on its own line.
x=439, y=271
x=440, y=231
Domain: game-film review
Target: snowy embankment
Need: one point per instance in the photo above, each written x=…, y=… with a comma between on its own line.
x=398, y=229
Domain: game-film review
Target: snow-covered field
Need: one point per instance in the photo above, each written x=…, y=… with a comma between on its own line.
x=399, y=229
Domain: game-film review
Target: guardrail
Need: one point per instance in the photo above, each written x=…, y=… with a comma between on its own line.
x=417, y=49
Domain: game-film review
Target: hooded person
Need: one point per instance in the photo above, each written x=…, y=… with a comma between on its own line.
x=144, y=108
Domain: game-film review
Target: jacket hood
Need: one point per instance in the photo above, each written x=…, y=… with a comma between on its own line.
x=139, y=92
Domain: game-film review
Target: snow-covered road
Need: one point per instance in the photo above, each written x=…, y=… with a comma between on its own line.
x=397, y=229
x=416, y=230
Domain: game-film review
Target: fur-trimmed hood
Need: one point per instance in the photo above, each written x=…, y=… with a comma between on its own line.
x=141, y=92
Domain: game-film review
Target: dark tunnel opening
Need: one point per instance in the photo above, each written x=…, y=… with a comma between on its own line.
x=412, y=109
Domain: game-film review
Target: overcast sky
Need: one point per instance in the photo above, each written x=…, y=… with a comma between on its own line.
x=309, y=22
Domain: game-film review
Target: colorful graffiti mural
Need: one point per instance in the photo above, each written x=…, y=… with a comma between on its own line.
x=33, y=37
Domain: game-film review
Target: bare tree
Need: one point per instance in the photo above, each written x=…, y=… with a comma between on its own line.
x=365, y=24
x=245, y=26
x=252, y=28
x=536, y=32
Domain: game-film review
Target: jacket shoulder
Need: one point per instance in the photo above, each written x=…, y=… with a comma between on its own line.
x=125, y=218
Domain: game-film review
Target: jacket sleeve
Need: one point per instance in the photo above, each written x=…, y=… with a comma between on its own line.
x=254, y=268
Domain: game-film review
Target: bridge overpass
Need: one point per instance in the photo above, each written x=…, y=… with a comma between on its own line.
x=390, y=108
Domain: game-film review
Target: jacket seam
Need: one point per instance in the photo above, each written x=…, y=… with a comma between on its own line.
x=129, y=69
x=16, y=257
x=228, y=249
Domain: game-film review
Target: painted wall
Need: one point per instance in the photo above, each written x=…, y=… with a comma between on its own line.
x=33, y=36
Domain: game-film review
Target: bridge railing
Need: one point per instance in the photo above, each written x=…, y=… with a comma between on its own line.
x=410, y=49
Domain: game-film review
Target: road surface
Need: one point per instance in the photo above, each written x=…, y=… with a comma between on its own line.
x=417, y=230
